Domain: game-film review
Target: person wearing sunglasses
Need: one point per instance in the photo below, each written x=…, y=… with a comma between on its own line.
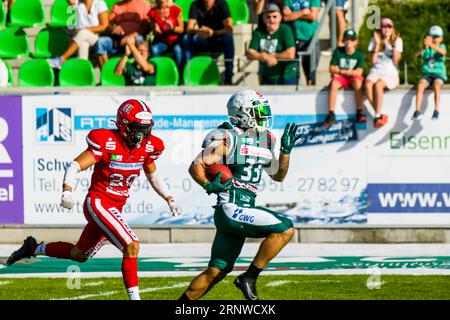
x=346, y=68
x=386, y=47
x=434, y=72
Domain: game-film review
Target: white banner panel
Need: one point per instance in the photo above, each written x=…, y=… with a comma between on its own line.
x=397, y=174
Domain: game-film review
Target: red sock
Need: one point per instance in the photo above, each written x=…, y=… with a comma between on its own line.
x=129, y=272
x=59, y=250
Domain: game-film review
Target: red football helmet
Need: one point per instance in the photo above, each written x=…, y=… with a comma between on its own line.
x=134, y=121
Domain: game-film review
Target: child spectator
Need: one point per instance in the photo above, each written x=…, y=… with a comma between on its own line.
x=92, y=19
x=213, y=34
x=346, y=68
x=270, y=44
x=386, y=47
x=128, y=18
x=434, y=71
x=168, y=26
x=139, y=72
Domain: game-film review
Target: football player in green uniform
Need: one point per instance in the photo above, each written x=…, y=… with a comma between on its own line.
x=246, y=146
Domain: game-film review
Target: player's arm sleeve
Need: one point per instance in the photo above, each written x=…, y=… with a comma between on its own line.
x=94, y=146
x=272, y=167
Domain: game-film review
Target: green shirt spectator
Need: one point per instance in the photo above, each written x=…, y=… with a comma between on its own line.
x=135, y=76
x=345, y=61
x=303, y=29
x=434, y=62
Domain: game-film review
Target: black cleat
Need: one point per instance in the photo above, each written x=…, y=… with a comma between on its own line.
x=25, y=251
x=247, y=286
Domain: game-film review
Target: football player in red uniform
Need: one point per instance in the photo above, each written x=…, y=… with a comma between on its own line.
x=118, y=156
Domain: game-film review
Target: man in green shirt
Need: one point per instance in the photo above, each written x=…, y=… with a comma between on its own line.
x=140, y=72
x=434, y=71
x=273, y=46
x=346, y=68
x=302, y=15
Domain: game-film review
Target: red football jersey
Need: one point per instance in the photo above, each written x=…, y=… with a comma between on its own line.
x=117, y=165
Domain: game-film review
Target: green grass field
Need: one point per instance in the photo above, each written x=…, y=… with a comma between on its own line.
x=274, y=287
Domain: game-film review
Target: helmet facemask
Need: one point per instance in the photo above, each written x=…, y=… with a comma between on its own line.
x=135, y=132
x=262, y=116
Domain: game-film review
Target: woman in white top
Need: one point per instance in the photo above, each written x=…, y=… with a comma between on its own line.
x=386, y=47
x=91, y=19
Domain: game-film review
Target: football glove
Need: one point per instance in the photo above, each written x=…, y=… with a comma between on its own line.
x=215, y=186
x=174, y=208
x=67, y=200
x=288, y=138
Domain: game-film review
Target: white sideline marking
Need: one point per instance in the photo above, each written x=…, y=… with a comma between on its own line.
x=110, y=293
x=2, y=283
x=93, y=284
x=277, y=283
x=415, y=272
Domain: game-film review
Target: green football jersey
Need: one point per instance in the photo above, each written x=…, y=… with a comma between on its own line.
x=249, y=152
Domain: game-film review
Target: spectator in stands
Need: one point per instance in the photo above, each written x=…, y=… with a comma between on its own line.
x=213, y=33
x=9, y=4
x=260, y=5
x=386, y=47
x=92, y=19
x=269, y=45
x=346, y=68
x=140, y=72
x=168, y=26
x=302, y=15
x=341, y=24
x=128, y=18
x=434, y=71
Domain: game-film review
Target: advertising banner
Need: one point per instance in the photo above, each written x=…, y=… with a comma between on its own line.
x=347, y=174
x=11, y=179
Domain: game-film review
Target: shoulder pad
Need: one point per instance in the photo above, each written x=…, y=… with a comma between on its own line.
x=101, y=139
x=216, y=138
x=155, y=144
x=225, y=125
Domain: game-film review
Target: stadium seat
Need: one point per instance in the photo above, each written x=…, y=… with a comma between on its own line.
x=50, y=42
x=166, y=71
x=110, y=3
x=76, y=72
x=239, y=11
x=201, y=71
x=185, y=5
x=2, y=15
x=17, y=43
x=108, y=78
x=61, y=14
x=27, y=13
x=36, y=73
x=10, y=74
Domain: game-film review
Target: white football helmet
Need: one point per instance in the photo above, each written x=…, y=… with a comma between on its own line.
x=249, y=109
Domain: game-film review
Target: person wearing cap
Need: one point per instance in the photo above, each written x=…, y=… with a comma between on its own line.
x=302, y=16
x=346, y=68
x=273, y=46
x=386, y=47
x=434, y=71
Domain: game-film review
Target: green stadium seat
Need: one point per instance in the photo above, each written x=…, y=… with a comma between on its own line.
x=166, y=71
x=201, y=71
x=76, y=72
x=185, y=5
x=239, y=11
x=27, y=13
x=10, y=74
x=110, y=3
x=61, y=14
x=108, y=78
x=36, y=73
x=17, y=43
x=50, y=42
x=2, y=15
